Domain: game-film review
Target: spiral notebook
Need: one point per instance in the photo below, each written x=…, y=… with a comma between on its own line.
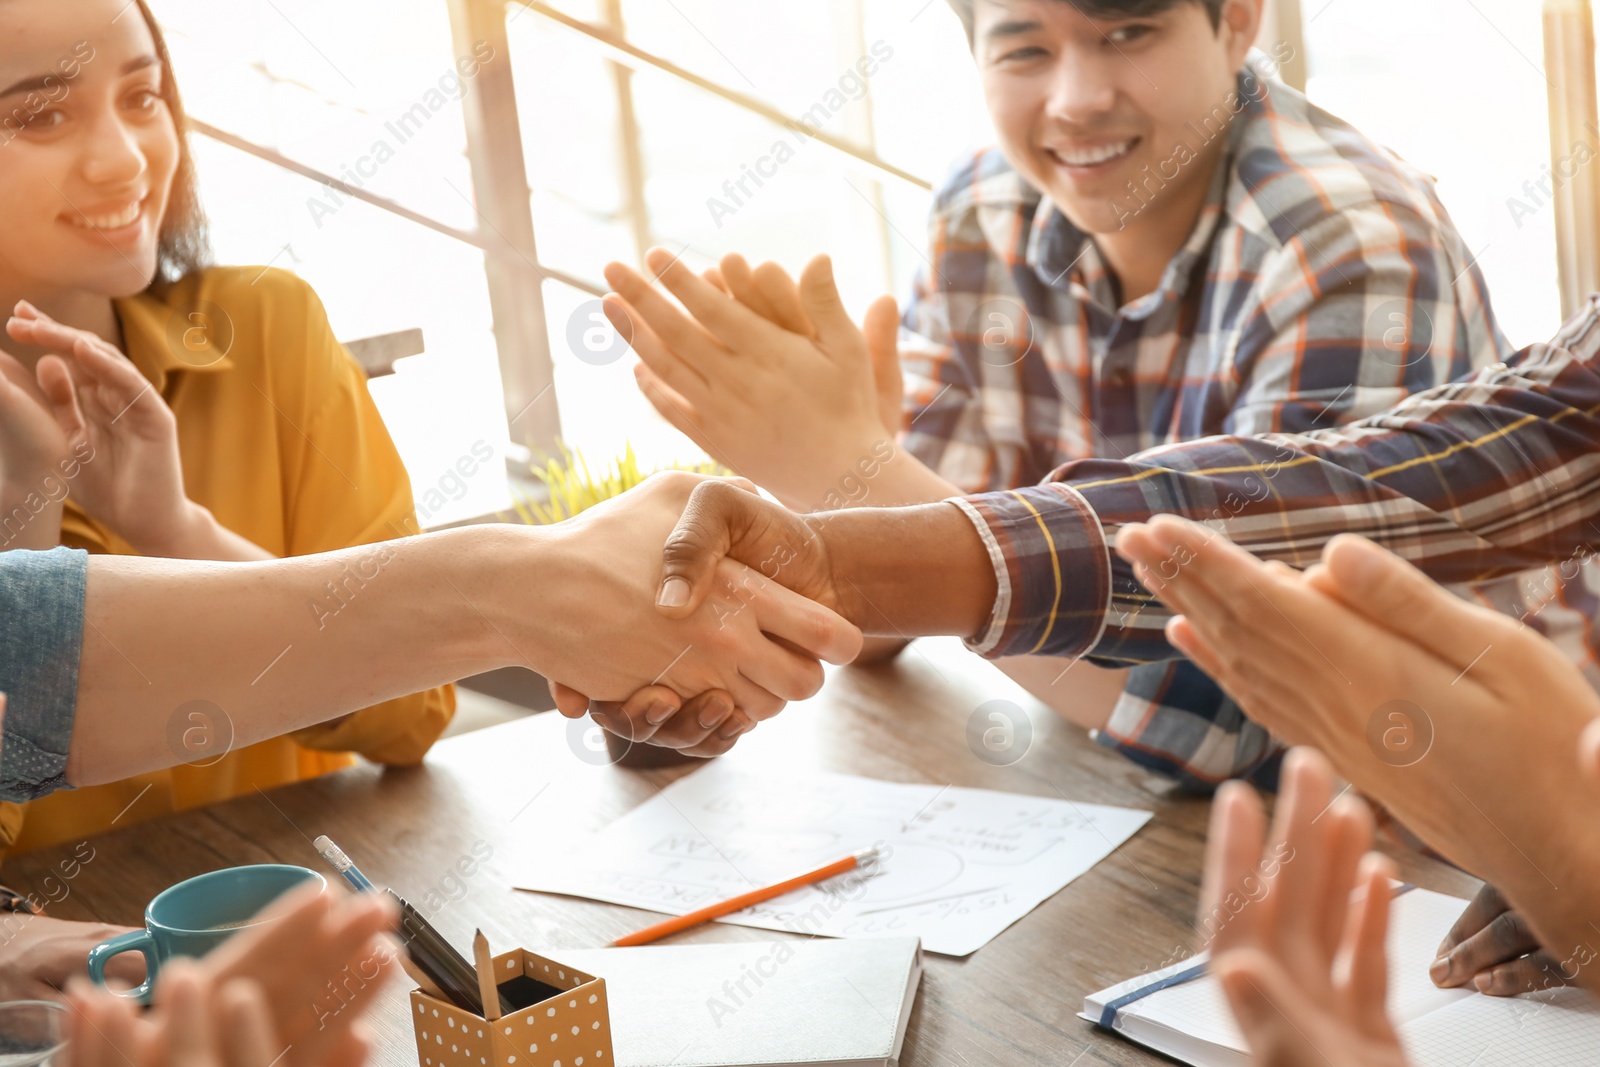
x=1181, y=1012
x=758, y=1003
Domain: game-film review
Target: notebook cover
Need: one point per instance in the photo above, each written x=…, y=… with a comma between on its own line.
x=758, y=1003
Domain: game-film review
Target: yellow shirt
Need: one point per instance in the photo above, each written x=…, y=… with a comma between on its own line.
x=281, y=440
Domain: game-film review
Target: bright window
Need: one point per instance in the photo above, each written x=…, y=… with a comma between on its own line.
x=367, y=92
x=1456, y=87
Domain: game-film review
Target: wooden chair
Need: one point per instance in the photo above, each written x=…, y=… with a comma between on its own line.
x=378, y=355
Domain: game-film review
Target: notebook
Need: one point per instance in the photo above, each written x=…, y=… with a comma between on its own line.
x=758, y=1003
x=1181, y=1012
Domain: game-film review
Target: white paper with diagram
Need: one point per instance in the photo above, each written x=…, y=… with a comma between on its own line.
x=960, y=865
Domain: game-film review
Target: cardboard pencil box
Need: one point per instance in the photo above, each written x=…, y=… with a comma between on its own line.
x=562, y=1020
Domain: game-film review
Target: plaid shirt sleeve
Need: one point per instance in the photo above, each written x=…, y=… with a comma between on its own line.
x=1487, y=476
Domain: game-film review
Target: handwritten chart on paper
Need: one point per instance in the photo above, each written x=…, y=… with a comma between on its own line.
x=961, y=866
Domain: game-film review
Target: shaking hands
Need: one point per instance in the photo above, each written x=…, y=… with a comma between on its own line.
x=725, y=549
x=738, y=639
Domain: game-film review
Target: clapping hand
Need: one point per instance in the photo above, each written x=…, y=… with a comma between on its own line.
x=108, y=415
x=1423, y=700
x=194, y=1026
x=113, y=438
x=770, y=292
x=266, y=996
x=1297, y=926
x=774, y=380
x=35, y=410
x=37, y=460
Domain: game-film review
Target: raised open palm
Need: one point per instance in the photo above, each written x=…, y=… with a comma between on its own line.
x=108, y=416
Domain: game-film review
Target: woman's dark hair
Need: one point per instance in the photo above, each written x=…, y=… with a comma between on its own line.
x=1106, y=9
x=183, y=246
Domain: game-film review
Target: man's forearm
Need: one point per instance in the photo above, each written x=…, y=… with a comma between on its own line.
x=901, y=480
x=256, y=650
x=1080, y=692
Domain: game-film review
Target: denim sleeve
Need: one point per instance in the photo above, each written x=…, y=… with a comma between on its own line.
x=41, y=638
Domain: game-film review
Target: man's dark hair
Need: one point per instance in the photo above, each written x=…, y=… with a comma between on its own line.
x=1101, y=9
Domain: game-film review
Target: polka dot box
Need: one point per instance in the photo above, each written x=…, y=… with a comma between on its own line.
x=570, y=1029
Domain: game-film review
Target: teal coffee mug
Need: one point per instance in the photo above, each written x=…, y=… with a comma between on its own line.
x=194, y=917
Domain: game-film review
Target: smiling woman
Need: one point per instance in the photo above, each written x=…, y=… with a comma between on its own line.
x=254, y=435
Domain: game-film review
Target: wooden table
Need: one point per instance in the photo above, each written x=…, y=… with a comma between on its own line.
x=1011, y=1003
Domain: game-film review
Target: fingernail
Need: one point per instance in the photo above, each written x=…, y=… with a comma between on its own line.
x=733, y=729
x=1483, y=983
x=1591, y=748
x=1357, y=566
x=658, y=712
x=714, y=712
x=674, y=593
x=1440, y=970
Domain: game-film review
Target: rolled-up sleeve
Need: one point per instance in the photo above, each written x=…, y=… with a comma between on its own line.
x=41, y=640
x=1051, y=571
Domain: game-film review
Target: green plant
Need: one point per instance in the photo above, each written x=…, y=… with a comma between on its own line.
x=572, y=487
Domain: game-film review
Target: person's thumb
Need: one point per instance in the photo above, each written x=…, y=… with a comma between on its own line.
x=882, y=329
x=721, y=520
x=705, y=533
x=819, y=296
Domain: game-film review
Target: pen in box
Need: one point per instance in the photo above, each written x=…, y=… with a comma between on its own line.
x=434, y=956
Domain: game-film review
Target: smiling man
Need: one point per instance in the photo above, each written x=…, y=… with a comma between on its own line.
x=1166, y=244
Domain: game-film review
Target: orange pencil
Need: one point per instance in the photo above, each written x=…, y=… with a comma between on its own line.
x=739, y=903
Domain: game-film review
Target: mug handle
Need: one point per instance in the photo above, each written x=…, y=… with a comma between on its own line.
x=132, y=941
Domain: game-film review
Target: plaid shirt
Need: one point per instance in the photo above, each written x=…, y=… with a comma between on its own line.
x=1323, y=283
x=1482, y=482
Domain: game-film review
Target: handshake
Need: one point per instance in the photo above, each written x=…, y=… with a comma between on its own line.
x=733, y=601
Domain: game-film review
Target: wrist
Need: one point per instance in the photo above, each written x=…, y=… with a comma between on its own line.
x=30, y=517
x=188, y=534
x=850, y=474
x=500, y=579
x=912, y=571
x=879, y=473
